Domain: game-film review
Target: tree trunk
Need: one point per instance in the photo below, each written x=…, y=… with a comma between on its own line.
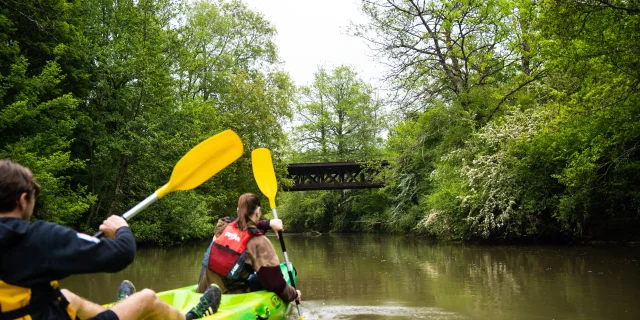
x=118, y=188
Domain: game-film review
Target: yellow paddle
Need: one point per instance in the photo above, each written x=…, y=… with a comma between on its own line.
x=265, y=176
x=199, y=164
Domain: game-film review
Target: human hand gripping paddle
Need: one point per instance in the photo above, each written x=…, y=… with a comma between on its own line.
x=197, y=166
x=265, y=176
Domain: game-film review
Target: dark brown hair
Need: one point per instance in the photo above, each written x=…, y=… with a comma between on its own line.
x=14, y=181
x=247, y=204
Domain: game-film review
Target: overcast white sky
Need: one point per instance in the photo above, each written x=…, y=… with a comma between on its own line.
x=313, y=33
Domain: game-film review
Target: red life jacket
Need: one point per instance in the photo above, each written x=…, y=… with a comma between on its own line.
x=227, y=254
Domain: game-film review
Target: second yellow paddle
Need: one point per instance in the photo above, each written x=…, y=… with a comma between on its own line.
x=265, y=176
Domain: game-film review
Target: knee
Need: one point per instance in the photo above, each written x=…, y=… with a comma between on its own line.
x=75, y=301
x=149, y=296
x=148, y=293
x=70, y=296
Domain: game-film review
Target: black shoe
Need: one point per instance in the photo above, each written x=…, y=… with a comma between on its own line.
x=125, y=289
x=208, y=305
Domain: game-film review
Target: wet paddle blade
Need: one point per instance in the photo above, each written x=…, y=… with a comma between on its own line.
x=203, y=161
x=264, y=174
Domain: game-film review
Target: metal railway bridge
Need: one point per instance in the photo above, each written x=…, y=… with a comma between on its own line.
x=334, y=175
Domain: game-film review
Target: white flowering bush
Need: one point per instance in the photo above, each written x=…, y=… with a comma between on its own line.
x=486, y=179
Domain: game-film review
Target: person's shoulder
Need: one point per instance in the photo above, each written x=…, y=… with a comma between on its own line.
x=258, y=241
x=222, y=223
x=45, y=228
x=47, y=234
x=225, y=221
x=41, y=225
x=261, y=251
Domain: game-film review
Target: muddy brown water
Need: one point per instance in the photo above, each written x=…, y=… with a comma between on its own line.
x=395, y=277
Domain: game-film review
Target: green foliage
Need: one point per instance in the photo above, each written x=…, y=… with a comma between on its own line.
x=177, y=218
x=37, y=117
x=339, y=119
x=514, y=119
x=306, y=211
x=335, y=211
x=102, y=98
x=525, y=123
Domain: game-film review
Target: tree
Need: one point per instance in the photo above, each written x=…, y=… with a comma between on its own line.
x=594, y=53
x=340, y=118
x=455, y=51
x=131, y=49
x=458, y=66
x=37, y=107
x=534, y=156
x=102, y=98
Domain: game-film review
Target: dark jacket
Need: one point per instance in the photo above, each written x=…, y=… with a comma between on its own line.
x=34, y=254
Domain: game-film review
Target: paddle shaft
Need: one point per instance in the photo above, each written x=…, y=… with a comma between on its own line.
x=286, y=258
x=133, y=211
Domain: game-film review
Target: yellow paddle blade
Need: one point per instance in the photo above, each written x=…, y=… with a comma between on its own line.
x=203, y=161
x=264, y=174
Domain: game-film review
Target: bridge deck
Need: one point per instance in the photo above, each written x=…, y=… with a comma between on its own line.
x=332, y=176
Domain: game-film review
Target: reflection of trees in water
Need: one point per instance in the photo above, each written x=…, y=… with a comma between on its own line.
x=362, y=269
x=484, y=281
x=506, y=282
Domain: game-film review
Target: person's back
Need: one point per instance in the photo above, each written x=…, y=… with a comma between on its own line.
x=35, y=255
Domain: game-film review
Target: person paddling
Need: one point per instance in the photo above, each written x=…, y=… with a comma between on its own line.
x=35, y=255
x=241, y=258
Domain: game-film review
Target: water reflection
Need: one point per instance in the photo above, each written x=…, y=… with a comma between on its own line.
x=376, y=277
x=316, y=311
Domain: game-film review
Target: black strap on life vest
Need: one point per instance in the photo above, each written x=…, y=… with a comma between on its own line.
x=239, y=284
x=47, y=295
x=242, y=283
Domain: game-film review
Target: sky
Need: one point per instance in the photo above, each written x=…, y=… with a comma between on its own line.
x=313, y=33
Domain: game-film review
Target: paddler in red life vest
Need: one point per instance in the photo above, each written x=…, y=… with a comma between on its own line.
x=241, y=259
x=35, y=255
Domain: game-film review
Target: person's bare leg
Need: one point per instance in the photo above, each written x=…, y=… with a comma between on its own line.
x=84, y=308
x=145, y=305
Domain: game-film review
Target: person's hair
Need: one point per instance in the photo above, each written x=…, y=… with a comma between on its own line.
x=14, y=181
x=247, y=204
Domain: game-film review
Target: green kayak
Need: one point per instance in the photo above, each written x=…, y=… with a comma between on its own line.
x=254, y=305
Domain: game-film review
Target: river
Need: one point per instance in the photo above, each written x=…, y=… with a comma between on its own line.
x=396, y=277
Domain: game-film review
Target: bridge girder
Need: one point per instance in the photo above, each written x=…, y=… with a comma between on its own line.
x=333, y=176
